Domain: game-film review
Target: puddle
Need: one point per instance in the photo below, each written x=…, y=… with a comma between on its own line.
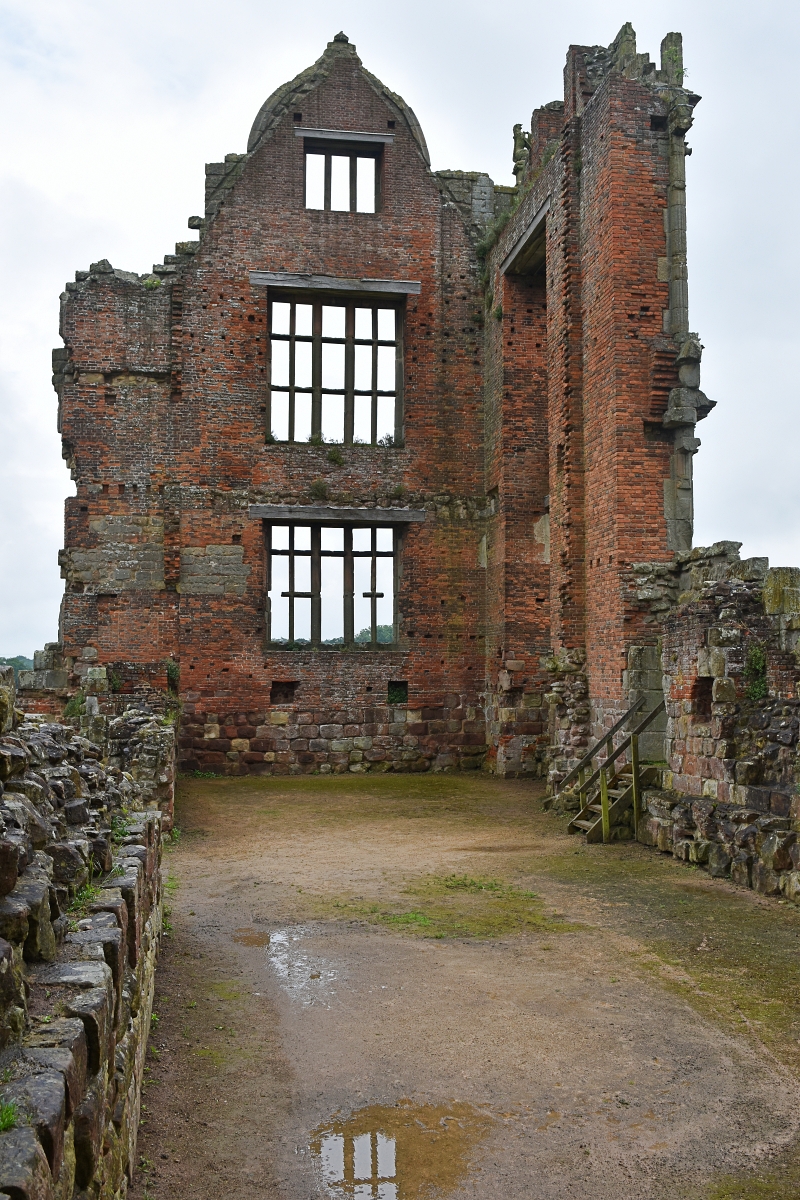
x=401, y=1152
x=307, y=978
x=251, y=937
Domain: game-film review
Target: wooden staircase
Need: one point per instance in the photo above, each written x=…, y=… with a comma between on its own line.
x=607, y=794
x=621, y=794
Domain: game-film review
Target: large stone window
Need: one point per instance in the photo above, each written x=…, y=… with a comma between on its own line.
x=336, y=371
x=331, y=585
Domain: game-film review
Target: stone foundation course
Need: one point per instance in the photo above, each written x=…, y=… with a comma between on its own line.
x=81, y=909
x=290, y=741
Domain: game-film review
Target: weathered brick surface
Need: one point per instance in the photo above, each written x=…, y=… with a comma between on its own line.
x=533, y=432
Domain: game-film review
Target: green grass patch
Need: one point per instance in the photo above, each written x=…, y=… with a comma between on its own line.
x=120, y=826
x=734, y=957
x=461, y=906
x=84, y=896
x=8, y=1116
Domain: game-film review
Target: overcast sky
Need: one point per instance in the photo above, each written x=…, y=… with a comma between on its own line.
x=111, y=109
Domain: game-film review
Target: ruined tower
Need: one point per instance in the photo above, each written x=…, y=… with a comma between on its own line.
x=367, y=467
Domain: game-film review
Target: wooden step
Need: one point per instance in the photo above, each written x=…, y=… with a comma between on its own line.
x=587, y=825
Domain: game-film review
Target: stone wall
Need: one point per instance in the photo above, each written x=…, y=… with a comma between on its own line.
x=80, y=921
x=286, y=739
x=731, y=674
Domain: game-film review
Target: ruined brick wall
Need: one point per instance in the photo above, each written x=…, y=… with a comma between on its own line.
x=730, y=788
x=602, y=374
x=549, y=389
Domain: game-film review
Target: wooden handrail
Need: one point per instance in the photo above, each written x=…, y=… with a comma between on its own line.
x=623, y=746
x=587, y=758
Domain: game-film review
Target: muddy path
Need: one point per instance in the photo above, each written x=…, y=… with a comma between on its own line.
x=414, y=987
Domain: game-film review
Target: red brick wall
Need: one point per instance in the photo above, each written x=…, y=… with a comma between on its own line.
x=532, y=401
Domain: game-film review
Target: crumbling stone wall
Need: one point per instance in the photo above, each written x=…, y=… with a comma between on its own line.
x=730, y=789
x=80, y=922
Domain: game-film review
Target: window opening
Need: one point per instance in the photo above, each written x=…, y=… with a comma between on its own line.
x=702, y=694
x=335, y=369
x=397, y=691
x=342, y=180
x=282, y=691
x=331, y=585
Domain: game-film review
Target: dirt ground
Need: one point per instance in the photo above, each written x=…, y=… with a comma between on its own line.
x=406, y=987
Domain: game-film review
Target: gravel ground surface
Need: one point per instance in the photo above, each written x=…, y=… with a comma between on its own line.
x=414, y=987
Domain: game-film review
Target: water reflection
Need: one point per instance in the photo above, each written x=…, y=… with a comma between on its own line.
x=364, y=1163
x=307, y=978
x=400, y=1152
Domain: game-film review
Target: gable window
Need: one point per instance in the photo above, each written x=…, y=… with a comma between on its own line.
x=335, y=371
x=331, y=585
x=340, y=179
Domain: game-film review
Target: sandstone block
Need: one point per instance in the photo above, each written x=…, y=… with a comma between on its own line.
x=69, y=866
x=62, y=1045
x=790, y=886
x=719, y=861
x=88, y=1123
x=741, y=870
x=42, y=1098
x=724, y=691
x=764, y=880
x=331, y=731
x=8, y=867
x=24, y=1169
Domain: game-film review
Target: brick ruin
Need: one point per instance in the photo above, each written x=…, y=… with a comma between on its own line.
x=390, y=470
x=363, y=472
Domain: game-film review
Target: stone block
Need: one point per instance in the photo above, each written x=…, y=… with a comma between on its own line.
x=719, y=861
x=698, y=851
x=741, y=870
x=69, y=866
x=62, y=1044
x=9, y=867
x=775, y=851
x=781, y=590
x=681, y=848
x=790, y=886
x=764, y=880
x=331, y=731
x=42, y=1099
x=724, y=691
x=88, y=1124
x=40, y=942
x=24, y=1169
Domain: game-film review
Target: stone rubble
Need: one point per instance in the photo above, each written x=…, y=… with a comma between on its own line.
x=81, y=909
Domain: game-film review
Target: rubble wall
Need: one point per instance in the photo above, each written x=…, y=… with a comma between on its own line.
x=731, y=674
x=81, y=905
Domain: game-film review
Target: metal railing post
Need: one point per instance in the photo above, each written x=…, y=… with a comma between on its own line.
x=604, y=805
x=637, y=793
